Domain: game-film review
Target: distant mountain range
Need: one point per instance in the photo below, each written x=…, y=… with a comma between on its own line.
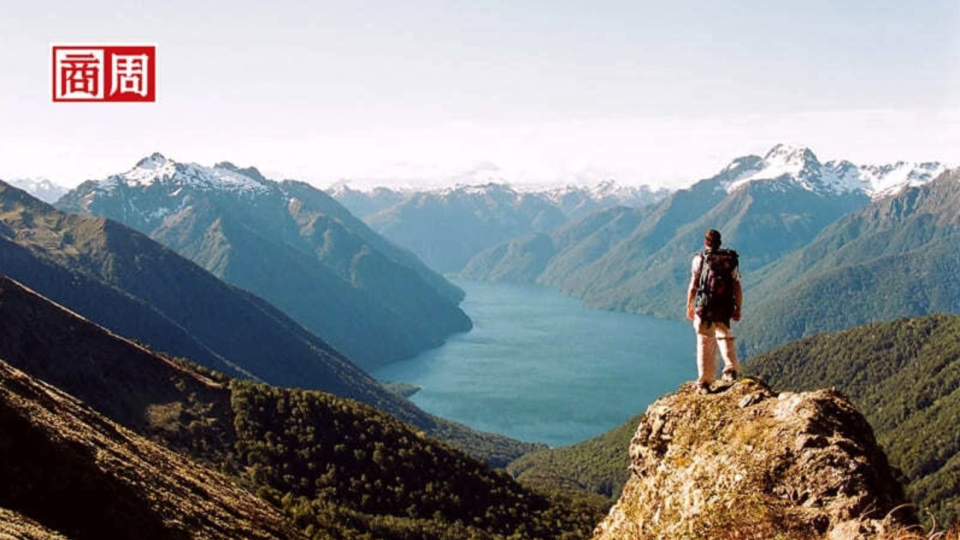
x=41, y=188
x=447, y=227
x=289, y=243
x=637, y=259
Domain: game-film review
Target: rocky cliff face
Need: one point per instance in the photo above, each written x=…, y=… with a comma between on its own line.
x=746, y=462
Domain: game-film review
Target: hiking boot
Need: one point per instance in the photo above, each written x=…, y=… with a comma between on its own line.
x=703, y=388
x=730, y=376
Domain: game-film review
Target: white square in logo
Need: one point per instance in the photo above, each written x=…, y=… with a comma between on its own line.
x=78, y=74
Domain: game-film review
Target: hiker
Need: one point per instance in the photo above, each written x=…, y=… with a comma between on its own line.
x=714, y=299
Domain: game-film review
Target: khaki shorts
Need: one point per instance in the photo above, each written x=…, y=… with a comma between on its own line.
x=712, y=329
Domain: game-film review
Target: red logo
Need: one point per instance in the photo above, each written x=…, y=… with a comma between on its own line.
x=104, y=73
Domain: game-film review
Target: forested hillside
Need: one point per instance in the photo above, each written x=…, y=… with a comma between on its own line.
x=904, y=376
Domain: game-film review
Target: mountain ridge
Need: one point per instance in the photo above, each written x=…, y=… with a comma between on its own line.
x=891, y=258
x=289, y=243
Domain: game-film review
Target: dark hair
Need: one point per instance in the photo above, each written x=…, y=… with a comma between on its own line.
x=712, y=238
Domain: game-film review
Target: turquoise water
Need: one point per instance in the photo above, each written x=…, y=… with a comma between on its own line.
x=539, y=366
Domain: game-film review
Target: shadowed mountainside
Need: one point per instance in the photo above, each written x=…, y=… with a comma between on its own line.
x=121, y=279
x=75, y=472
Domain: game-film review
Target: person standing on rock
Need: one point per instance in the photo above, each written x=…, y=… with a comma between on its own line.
x=714, y=299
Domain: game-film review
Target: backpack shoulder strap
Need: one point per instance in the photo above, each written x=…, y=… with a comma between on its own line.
x=703, y=275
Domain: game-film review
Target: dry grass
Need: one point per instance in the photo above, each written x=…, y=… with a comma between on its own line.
x=918, y=532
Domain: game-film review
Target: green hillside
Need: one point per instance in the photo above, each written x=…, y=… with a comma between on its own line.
x=597, y=466
x=68, y=469
x=893, y=258
x=336, y=467
x=904, y=376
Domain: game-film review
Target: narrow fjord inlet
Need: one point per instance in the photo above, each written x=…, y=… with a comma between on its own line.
x=541, y=367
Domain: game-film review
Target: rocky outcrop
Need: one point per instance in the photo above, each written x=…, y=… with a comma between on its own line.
x=745, y=462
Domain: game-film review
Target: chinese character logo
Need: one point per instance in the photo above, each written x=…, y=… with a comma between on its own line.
x=104, y=73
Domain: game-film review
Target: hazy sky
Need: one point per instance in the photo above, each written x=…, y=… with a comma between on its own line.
x=530, y=91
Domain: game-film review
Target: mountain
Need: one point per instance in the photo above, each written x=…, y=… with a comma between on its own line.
x=577, y=201
x=332, y=465
x=637, y=260
x=904, y=376
x=446, y=227
x=749, y=463
x=292, y=245
x=363, y=203
x=132, y=285
x=68, y=469
x=56, y=253
x=893, y=258
x=41, y=188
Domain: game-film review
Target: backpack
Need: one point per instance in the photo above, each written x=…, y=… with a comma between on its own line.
x=716, y=292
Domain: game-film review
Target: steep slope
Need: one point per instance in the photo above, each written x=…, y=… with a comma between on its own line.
x=38, y=336
x=75, y=472
x=150, y=394
x=895, y=257
x=331, y=464
x=748, y=463
x=137, y=288
x=232, y=323
x=904, y=375
x=291, y=244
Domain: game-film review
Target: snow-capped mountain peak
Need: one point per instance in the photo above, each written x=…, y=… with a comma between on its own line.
x=783, y=161
x=879, y=181
x=800, y=166
x=157, y=169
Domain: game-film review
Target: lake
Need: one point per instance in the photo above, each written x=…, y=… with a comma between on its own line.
x=539, y=366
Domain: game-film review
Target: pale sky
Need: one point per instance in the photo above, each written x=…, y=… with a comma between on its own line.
x=540, y=92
